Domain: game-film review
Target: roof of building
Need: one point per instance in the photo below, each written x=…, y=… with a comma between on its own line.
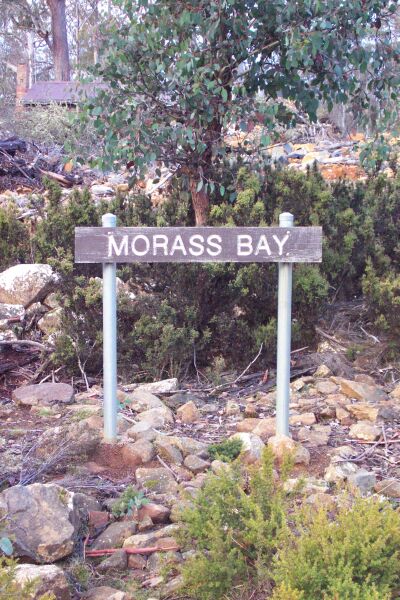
x=63, y=92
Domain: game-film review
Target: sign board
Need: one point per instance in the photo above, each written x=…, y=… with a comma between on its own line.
x=110, y=245
x=197, y=244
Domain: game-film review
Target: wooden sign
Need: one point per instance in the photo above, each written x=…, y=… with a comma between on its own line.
x=198, y=244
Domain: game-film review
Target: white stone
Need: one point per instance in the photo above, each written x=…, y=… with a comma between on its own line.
x=26, y=284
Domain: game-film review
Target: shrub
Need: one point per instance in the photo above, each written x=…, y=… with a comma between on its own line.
x=226, y=451
x=234, y=532
x=14, y=238
x=354, y=557
x=129, y=501
x=10, y=590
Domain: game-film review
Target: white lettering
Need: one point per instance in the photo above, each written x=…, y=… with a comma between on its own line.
x=178, y=245
x=112, y=246
x=137, y=252
x=160, y=241
x=244, y=245
x=281, y=243
x=263, y=245
x=197, y=241
x=214, y=245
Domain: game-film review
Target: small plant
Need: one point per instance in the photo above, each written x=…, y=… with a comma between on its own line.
x=11, y=590
x=129, y=502
x=226, y=451
x=354, y=557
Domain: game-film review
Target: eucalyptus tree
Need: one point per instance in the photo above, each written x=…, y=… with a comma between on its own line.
x=182, y=74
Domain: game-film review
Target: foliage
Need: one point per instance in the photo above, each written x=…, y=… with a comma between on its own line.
x=231, y=530
x=10, y=590
x=226, y=451
x=354, y=557
x=180, y=75
x=129, y=501
x=14, y=246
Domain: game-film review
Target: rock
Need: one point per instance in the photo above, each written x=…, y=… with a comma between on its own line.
x=48, y=578
x=157, y=562
x=171, y=454
x=158, y=479
x=321, y=500
x=326, y=387
x=157, y=417
x=395, y=393
x=80, y=438
x=142, y=540
x=188, y=445
x=136, y=561
x=196, y=464
x=102, y=190
x=248, y=425
x=364, y=430
x=337, y=472
x=363, y=411
x=252, y=447
x=307, y=486
x=188, y=413
x=157, y=512
x=281, y=445
x=41, y=521
x=172, y=586
x=164, y=386
x=266, y=428
x=116, y=561
x=180, y=398
x=336, y=400
x=361, y=391
x=43, y=394
x=343, y=416
x=11, y=311
x=138, y=453
x=297, y=385
x=51, y=321
x=26, y=284
x=142, y=430
x=323, y=371
x=317, y=435
x=388, y=487
x=114, y=535
x=104, y=593
x=140, y=400
x=302, y=419
x=84, y=504
x=232, y=408
x=219, y=465
x=363, y=481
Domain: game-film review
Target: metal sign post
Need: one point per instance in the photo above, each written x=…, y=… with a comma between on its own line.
x=110, y=341
x=284, y=338
x=110, y=245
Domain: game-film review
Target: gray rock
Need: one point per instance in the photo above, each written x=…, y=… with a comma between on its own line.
x=117, y=561
x=114, y=535
x=11, y=311
x=165, y=386
x=44, y=394
x=142, y=540
x=157, y=417
x=48, y=578
x=363, y=480
x=41, y=520
x=104, y=593
x=167, y=451
x=182, y=398
x=26, y=284
x=140, y=400
x=196, y=464
x=158, y=479
x=389, y=488
x=84, y=503
x=188, y=445
x=252, y=446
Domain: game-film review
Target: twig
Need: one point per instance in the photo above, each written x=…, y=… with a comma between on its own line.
x=51, y=374
x=330, y=337
x=164, y=464
x=10, y=158
x=249, y=365
x=129, y=550
x=385, y=440
x=373, y=337
x=27, y=343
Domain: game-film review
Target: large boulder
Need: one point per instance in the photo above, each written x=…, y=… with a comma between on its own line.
x=41, y=520
x=44, y=394
x=48, y=578
x=26, y=284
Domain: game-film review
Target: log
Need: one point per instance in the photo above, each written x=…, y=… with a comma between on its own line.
x=13, y=145
x=66, y=181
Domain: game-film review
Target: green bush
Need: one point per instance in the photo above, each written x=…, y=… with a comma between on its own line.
x=14, y=238
x=354, y=557
x=220, y=312
x=234, y=532
x=226, y=451
x=129, y=501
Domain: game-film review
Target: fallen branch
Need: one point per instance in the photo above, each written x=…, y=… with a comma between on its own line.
x=27, y=343
x=151, y=550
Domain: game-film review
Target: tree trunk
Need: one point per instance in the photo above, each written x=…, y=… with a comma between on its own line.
x=200, y=202
x=60, y=40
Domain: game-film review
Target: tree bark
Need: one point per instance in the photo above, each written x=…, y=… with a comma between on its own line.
x=60, y=40
x=200, y=202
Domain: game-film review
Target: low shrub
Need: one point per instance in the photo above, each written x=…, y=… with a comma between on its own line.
x=10, y=590
x=356, y=556
x=129, y=501
x=14, y=238
x=226, y=451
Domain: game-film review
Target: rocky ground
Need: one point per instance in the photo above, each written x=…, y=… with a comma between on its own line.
x=60, y=481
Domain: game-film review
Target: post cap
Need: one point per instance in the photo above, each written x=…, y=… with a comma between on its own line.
x=109, y=220
x=286, y=219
